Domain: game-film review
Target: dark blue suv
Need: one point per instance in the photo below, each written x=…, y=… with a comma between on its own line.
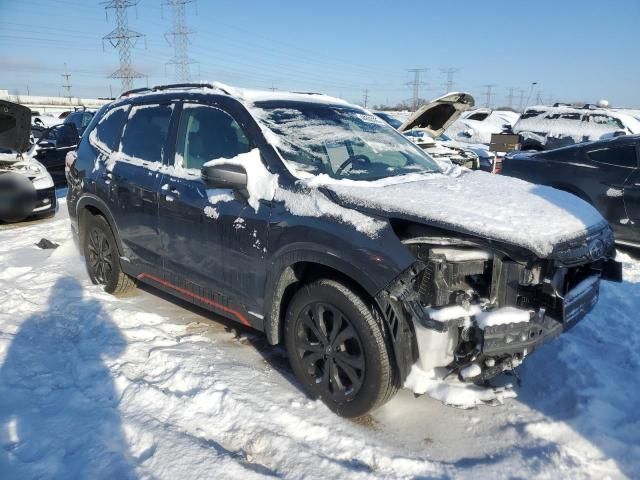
x=312, y=220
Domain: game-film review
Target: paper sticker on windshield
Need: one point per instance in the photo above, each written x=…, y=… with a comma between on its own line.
x=370, y=118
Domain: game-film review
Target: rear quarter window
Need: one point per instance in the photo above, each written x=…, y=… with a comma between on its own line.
x=106, y=135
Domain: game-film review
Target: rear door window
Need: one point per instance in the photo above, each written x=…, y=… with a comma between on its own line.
x=145, y=133
x=623, y=156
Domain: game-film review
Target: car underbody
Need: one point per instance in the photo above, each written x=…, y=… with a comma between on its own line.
x=477, y=312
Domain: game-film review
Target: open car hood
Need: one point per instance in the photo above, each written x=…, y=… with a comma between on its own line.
x=436, y=116
x=15, y=126
x=503, y=209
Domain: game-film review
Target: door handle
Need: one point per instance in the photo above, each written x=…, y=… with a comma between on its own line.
x=171, y=192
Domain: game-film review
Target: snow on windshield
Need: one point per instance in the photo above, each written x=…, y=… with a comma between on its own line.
x=339, y=141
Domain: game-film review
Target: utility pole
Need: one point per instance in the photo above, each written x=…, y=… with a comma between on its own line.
x=416, y=84
x=531, y=87
x=510, y=97
x=122, y=39
x=488, y=93
x=449, y=72
x=179, y=38
x=521, y=101
x=273, y=87
x=66, y=84
x=365, y=97
x=539, y=98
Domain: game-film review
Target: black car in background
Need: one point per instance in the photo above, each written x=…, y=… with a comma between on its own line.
x=605, y=173
x=81, y=118
x=52, y=147
x=353, y=248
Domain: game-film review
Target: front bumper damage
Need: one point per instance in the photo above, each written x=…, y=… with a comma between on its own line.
x=437, y=318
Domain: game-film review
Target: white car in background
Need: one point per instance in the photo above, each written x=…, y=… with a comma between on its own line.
x=546, y=128
x=26, y=187
x=476, y=126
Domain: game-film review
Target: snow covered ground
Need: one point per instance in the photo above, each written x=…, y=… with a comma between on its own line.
x=93, y=386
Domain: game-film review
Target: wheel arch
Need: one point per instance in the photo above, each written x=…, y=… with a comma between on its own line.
x=296, y=269
x=92, y=205
x=572, y=190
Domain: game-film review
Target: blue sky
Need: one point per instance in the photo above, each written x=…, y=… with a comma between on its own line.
x=575, y=50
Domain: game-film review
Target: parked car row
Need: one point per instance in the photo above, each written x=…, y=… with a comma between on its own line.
x=547, y=128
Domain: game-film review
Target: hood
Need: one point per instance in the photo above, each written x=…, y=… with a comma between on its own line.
x=436, y=116
x=15, y=126
x=502, y=209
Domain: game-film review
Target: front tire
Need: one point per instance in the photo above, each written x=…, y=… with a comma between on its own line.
x=102, y=257
x=338, y=350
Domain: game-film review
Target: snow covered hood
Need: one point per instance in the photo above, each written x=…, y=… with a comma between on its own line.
x=490, y=206
x=436, y=116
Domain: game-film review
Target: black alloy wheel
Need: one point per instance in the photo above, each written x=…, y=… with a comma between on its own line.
x=330, y=350
x=100, y=256
x=338, y=349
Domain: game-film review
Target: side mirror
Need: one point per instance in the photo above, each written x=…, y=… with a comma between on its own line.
x=225, y=176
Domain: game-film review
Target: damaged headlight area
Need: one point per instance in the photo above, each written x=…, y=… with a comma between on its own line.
x=477, y=312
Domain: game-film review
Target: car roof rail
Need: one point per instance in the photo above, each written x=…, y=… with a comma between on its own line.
x=172, y=86
x=562, y=104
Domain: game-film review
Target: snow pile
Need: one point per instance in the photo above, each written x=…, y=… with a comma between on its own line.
x=472, y=131
x=93, y=386
x=452, y=391
x=496, y=207
x=502, y=316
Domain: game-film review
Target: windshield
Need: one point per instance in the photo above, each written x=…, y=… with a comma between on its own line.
x=394, y=122
x=340, y=141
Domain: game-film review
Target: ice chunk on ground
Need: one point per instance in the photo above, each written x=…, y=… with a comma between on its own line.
x=454, y=392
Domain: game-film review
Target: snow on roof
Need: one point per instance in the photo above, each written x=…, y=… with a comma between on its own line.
x=244, y=95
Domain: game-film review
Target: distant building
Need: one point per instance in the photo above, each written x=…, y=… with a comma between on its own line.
x=42, y=104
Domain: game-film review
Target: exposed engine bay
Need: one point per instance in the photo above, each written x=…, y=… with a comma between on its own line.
x=478, y=312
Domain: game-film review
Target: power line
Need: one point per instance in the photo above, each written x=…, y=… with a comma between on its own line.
x=449, y=72
x=416, y=84
x=123, y=39
x=67, y=83
x=180, y=40
x=365, y=97
x=488, y=93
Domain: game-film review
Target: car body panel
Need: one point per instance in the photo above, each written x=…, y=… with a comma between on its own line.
x=610, y=188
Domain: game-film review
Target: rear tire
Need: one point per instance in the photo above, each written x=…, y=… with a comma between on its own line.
x=102, y=257
x=337, y=349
